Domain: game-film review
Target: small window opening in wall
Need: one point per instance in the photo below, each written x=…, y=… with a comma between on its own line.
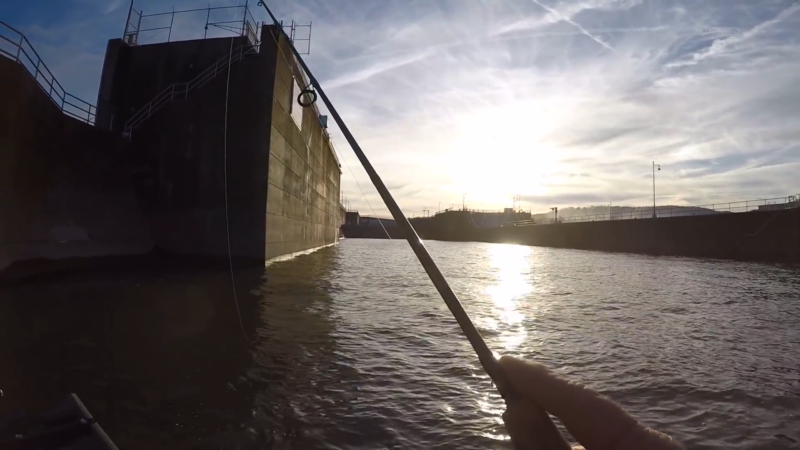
x=296, y=108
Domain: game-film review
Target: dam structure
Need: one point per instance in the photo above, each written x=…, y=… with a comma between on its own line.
x=198, y=147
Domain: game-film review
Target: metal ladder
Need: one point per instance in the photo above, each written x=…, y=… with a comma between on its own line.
x=181, y=90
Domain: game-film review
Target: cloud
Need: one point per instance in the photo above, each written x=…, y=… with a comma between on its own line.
x=376, y=68
x=583, y=30
x=496, y=99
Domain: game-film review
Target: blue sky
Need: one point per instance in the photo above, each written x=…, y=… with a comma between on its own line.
x=563, y=102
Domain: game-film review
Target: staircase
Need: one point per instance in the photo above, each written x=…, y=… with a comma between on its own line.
x=181, y=90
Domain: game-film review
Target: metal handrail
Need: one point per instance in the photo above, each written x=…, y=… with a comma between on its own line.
x=181, y=90
x=482, y=211
x=22, y=52
x=777, y=203
x=244, y=25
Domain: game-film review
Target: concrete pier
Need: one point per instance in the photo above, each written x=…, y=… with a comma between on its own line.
x=64, y=189
x=70, y=189
x=303, y=197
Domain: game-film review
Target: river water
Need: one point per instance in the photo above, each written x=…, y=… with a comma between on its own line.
x=355, y=349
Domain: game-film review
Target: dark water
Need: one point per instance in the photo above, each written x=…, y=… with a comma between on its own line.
x=356, y=349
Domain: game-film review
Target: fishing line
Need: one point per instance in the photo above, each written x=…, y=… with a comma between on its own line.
x=341, y=156
x=485, y=355
x=227, y=221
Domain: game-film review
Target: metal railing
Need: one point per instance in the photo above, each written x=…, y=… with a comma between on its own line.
x=220, y=21
x=181, y=90
x=15, y=46
x=483, y=211
x=769, y=204
x=141, y=28
x=522, y=223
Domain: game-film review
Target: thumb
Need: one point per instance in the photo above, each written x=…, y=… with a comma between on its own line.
x=531, y=428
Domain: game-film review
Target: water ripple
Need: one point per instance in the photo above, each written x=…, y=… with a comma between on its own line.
x=357, y=351
x=704, y=350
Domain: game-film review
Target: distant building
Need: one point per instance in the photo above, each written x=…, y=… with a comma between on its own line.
x=351, y=218
x=367, y=221
x=354, y=218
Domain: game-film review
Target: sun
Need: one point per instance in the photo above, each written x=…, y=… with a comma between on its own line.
x=503, y=151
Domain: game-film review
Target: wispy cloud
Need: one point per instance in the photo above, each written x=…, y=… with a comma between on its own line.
x=377, y=67
x=583, y=31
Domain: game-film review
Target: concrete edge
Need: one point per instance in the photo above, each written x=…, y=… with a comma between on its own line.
x=289, y=256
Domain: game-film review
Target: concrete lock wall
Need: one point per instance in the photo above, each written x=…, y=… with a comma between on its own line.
x=63, y=186
x=752, y=236
x=71, y=189
x=282, y=179
x=184, y=156
x=303, y=199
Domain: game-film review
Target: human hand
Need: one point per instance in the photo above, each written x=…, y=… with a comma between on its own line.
x=595, y=421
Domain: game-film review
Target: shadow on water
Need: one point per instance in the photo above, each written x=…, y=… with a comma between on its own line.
x=157, y=354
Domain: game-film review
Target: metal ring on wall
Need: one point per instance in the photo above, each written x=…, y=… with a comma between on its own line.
x=301, y=98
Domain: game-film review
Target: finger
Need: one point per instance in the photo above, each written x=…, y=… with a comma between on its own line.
x=595, y=421
x=531, y=428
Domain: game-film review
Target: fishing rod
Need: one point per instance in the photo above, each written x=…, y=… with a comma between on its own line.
x=485, y=355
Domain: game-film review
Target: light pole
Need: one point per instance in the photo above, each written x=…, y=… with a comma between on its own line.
x=555, y=211
x=654, y=187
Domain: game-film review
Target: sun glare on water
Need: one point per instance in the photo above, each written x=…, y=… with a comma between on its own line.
x=511, y=263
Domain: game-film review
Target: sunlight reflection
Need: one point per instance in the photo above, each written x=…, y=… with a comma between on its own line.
x=486, y=405
x=512, y=265
x=497, y=437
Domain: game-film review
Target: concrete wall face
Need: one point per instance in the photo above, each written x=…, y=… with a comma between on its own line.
x=112, y=69
x=282, y=176
x=753, y=236
x=235, y=157
x=64, y=190
x=303, y=199
x=185, y=155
